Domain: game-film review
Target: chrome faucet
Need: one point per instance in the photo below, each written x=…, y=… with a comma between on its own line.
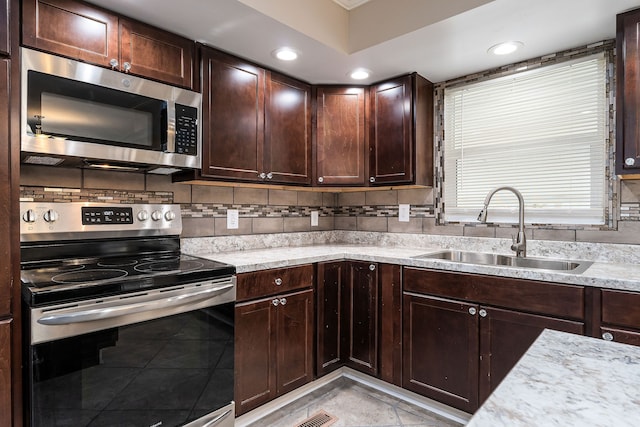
x=520, y=243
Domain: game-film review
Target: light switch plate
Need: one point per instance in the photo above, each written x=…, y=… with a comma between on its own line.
x=232, y=218
x=314, y=218
x=403, y=212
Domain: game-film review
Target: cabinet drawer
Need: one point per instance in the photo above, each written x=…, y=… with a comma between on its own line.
x=275, y=281
x=554, y=299
x=621, y=308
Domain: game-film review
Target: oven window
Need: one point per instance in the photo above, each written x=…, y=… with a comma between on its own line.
x=166, y=372
x=81, y=111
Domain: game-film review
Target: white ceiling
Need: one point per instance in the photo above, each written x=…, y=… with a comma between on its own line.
x=440, y=39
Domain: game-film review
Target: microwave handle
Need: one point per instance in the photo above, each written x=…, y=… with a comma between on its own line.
x=107, y=313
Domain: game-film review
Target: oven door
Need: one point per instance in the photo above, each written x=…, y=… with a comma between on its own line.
x=170, y=370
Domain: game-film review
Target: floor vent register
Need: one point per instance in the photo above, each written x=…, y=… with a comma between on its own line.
x=320, y=419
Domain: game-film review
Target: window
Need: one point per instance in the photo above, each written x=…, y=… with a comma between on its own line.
x=541, y=131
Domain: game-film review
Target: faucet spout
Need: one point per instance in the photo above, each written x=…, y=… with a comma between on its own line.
x=519, y=245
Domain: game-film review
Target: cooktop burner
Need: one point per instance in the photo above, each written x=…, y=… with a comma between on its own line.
x=91, y=275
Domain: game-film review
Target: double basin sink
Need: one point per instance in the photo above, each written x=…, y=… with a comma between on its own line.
x=479, y=258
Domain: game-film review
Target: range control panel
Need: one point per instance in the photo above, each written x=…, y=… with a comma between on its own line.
x=80, y=220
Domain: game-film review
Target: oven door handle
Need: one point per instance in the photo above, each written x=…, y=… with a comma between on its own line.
x=107, y=313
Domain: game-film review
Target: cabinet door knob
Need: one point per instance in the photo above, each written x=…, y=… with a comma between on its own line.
x=275, y=302
x=262, y=175
x=372, y=267
x=114, y=63
x=607, y=336
x=372, y=179
x=283, y=301
x=472, y=311
x=320, y=179
x=270, y=175
x=126, y=67
x=629, y=161
x=278, y=281
x=482, y=312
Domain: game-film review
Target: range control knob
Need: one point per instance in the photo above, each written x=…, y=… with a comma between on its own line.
x=156, y=215
x=51, y=216
x=143, y=216
x=29, y=216
x=169, y=215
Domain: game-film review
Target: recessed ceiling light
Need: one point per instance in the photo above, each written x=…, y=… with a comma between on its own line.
x=285, y=54
x=505, y=48
x=360, y=74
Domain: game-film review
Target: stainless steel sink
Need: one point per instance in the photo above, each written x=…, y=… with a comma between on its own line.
x=468, y=257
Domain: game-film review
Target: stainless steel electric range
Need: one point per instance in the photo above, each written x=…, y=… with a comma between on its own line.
x=120, y=327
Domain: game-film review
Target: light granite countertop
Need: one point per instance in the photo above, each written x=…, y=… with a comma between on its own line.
x=567, y=380
x=599, y=274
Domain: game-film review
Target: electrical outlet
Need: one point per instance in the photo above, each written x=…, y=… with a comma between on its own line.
x=314, y=218
x=403, y=212
x=232, y=218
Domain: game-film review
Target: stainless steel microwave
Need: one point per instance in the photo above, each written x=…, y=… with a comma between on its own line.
x=77, y=114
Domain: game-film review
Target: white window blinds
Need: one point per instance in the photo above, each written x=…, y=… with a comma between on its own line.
x=541, y=131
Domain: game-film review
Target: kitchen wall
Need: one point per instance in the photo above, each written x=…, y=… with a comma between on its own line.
x=267, y=211
x=281, y=211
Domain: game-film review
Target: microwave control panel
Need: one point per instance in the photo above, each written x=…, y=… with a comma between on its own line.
x=186, y=130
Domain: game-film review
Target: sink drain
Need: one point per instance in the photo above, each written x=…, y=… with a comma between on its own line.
x=319, y=419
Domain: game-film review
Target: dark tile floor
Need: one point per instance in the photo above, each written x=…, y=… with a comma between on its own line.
x=355, y=405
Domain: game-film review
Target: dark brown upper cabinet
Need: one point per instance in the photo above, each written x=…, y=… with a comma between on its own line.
x=5, y=48
x=401, y=131
x=87, y=33
x=340, y=144
x=256, y=123
x=287, y=140
x=628, y=93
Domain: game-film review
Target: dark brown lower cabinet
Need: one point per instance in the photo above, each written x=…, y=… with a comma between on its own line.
x=361, y=331
x=441, y=350
x=505, y=335
x=619, y=316
x=462, y=333
x=330, y=291
x=359, y=318
x=5, y=373
x=273, y=347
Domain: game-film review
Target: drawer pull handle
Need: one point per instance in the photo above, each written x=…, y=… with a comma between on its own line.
x=607, y=336
x=278, y=281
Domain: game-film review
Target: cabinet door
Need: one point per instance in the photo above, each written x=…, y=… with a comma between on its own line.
x=5, y=373
x=628, y=94
x=440, y=350
x=157, y=54
x=255, y=354
x=330, y=292
x=72, y=29
x=361, y=317
x=391, y=140
x=295, y=332
x=390, y=323
x=340, y=137
x=6, y=209
x=5, y=48
x=505, y=336
x=287, y=140
x=233, y=115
